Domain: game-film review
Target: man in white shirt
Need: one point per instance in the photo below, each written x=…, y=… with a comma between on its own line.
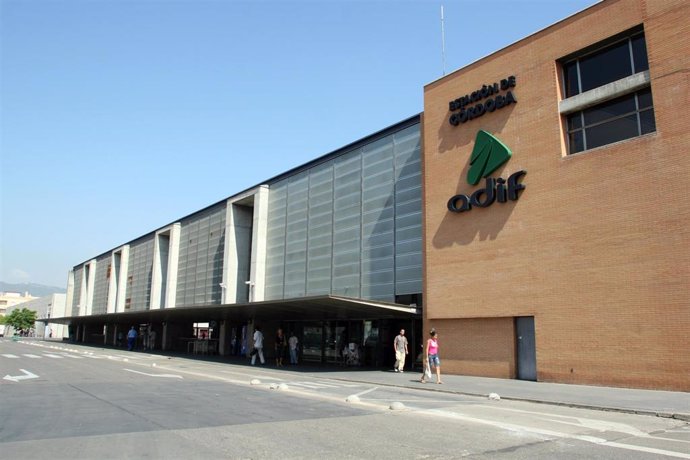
x=400, y=347
x=258, y=346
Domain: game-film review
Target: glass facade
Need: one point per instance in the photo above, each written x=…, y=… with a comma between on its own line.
x=138, y=293
x=200, y=266
x=101, y=284
x=350, y=226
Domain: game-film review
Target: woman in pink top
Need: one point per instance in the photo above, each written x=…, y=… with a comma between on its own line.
x=431, y=356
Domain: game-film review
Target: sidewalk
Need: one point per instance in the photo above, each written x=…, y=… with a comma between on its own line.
x=669, y=404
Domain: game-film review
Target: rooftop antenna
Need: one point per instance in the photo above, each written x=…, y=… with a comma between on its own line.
x=443, y=43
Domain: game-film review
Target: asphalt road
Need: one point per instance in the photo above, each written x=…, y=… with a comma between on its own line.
x=62, y=401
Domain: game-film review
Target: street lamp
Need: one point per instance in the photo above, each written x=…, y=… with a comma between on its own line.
x=250, y=284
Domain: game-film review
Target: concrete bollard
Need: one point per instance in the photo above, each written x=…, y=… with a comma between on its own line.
x=397, y=406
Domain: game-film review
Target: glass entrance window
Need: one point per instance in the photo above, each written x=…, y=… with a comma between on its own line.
x=312, y=341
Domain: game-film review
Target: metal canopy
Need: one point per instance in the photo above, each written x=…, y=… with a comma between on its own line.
x=305, y=308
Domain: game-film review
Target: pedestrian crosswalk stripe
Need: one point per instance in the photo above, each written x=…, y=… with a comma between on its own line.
x=313, y=385
x=10, y=356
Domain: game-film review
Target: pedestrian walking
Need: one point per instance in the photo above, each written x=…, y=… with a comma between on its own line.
x=131, y=339
x=431, y=357
x=280, y=345
x=258, y=346
x=400, y=347
x=152, y=339
x=292, y=343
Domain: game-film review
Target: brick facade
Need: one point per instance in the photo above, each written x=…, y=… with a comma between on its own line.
x=596, y=249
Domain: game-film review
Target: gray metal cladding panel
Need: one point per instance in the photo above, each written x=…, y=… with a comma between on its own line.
x=409, y=220
x=202, y=244
x=409, y=207
x=346, y=285
x=407, y=146
x=347, y=220
x=408, y=260
x=78, y=273
x=346, y=270
x=316, y=286
x=408, y=247
x=346, y=258
x=336, y=228
x=320, y=221
x=138, y=295
x=378, y=214
x=320, y=267
x=410, y=182
x=407, y=195
x=408, y=274
x=101, y=285
x=381, y=291
x=408, y=287
x=378, y=189
x=383, y=265
x=384, y=226
x=380, y=180
x=408, y=233
x=347, y=165
x=275, y=240
x=379, y=252
x=275, y=271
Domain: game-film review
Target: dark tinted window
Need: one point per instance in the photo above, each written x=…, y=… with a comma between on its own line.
x=572, y=86
x=647, y=123
x=577, y=142
x=644, y=98
x=618, y=60
x=612, y=131
x=612, y=121
x=615, y=107
x=605, y=66
x=639, y=49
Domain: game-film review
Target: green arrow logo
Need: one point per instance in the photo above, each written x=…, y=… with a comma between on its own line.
x=488, y=154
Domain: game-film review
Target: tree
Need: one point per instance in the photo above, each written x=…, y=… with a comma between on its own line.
x=21, y=320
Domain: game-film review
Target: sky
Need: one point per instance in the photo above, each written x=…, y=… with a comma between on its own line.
x=120, y=117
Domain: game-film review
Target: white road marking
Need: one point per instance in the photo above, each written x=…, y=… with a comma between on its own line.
x=16, y=378
x=367, y=391
x=32, y=356
x=314, y=384
x=53, y=356
x=555, y=434
x=11, y=356
x=172, y=376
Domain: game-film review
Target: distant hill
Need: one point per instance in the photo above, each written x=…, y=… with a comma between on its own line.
x=36, y=290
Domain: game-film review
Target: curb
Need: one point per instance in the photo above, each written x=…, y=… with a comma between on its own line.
x=672, y=415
